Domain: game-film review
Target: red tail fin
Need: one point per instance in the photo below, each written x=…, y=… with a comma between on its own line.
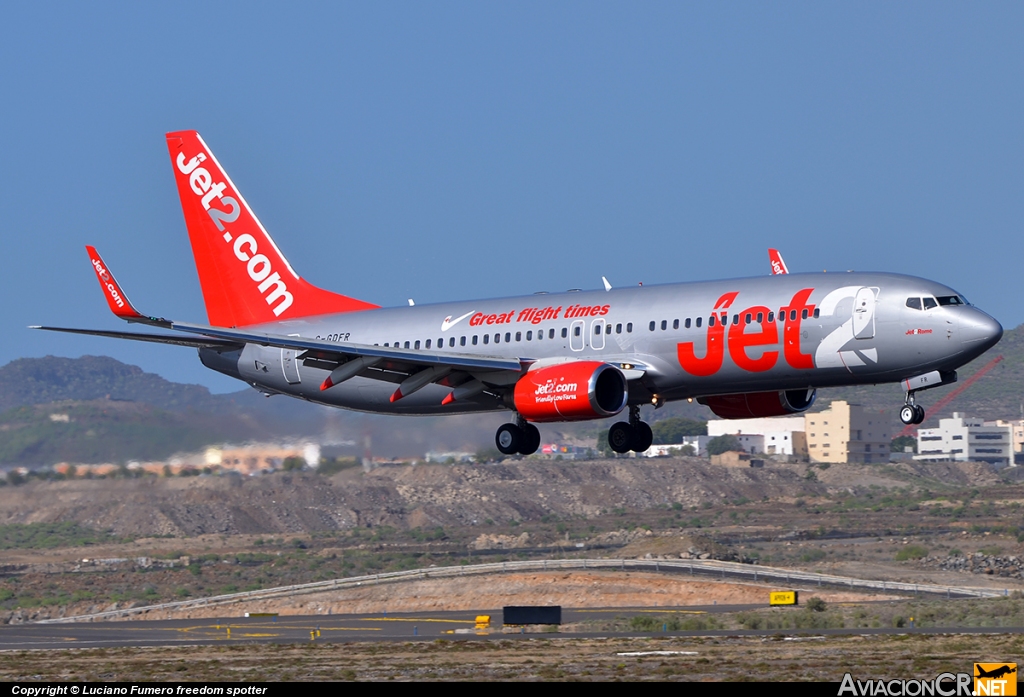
x=245, y=278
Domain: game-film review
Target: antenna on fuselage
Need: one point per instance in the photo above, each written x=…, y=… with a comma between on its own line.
x=607, y=285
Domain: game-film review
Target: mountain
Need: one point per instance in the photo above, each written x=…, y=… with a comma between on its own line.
x=140, y=414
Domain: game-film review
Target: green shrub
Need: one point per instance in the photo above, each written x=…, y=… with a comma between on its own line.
x=911, y=552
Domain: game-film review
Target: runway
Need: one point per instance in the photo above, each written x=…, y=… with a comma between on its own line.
x=379, y=627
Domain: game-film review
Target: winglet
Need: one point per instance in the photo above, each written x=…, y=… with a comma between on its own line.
x=778, y=265
x=116, y=298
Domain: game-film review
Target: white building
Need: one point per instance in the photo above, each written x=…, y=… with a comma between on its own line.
x=962, y=439
x=773, y=436
x=698, y=443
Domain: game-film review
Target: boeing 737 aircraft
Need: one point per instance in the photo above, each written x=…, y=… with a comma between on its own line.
x=745, y=347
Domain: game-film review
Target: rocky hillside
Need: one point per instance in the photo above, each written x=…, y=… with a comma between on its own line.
x=403, y=497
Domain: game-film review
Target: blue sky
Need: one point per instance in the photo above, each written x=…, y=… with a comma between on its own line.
x=444, y=151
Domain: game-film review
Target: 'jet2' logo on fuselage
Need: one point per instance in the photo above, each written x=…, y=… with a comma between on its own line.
x=762, y=333
x=245, y=247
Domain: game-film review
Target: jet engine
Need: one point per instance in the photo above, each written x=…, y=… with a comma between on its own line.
x=757, y=404
x=570, y=392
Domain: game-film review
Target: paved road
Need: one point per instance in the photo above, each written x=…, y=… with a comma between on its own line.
x=377, y=627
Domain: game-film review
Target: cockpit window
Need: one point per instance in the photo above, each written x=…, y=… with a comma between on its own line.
x=951, y=300
x=929, y=303
x=914, y=303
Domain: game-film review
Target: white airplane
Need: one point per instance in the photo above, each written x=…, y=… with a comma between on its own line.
x=745, y=347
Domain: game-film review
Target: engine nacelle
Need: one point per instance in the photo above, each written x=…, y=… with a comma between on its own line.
x=571, y=392
x=753, y=405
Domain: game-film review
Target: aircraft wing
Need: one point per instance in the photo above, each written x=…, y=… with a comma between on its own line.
x=326, y=350
x=195, y=342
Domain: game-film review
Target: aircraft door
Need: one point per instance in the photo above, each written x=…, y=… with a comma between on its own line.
x=576, y=330
x=290, y=365
x=864, y=314
x=597, y=334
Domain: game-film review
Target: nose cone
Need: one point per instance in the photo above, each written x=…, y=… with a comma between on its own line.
x=979, y=332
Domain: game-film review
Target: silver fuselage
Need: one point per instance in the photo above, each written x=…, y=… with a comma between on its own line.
x=858, y=329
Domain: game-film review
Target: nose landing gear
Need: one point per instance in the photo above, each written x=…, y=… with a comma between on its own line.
x=635, y=435
x=912, y=413
x=521, y=437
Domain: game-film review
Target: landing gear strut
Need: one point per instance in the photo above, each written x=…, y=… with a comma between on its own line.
x=635, y=435
x=912, y=413
x=521, y=437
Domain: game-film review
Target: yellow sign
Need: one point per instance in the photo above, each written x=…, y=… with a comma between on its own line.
x=995, y=679
x=782, y=598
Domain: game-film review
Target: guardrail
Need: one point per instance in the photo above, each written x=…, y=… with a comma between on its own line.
x=694, y=567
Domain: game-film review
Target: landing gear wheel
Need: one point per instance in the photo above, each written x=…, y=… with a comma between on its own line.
x=531, y=440
x=620, y=437
x=642, y=437
x=908, y=414
x=918, y=414
x=509, y=439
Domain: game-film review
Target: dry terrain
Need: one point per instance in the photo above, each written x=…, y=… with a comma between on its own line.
x=701, y=659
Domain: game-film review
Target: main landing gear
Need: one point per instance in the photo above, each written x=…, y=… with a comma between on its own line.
x=635, y=435
x=521, y=437
x=911, y=413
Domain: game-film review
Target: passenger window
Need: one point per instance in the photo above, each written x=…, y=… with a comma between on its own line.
x=629, y=327
x=817, y=312
x=427, y=345
x=747, y=318
x=675, y=324
x=792, y=315
x=687, y=324
x=508, y=337
x=618, y=328
x=597, y=329
x=551, y=333
x=540, y=334
x=529, y=336
x=914, y=303
x=664, y=325
x=519, y=336
x=711, y=321
x=576, y=331
x=385, y=344
x=651, y=327
x=725, y=319
x=474, y=339
x=930, y=303
x=565, y=332
x=497, y=338
x=699, y=320
x=406, y=344
x=487, y=338
x=760, y=317
x=803, y=315
x=771, y=317
x=608, y=328
x=417, y=346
